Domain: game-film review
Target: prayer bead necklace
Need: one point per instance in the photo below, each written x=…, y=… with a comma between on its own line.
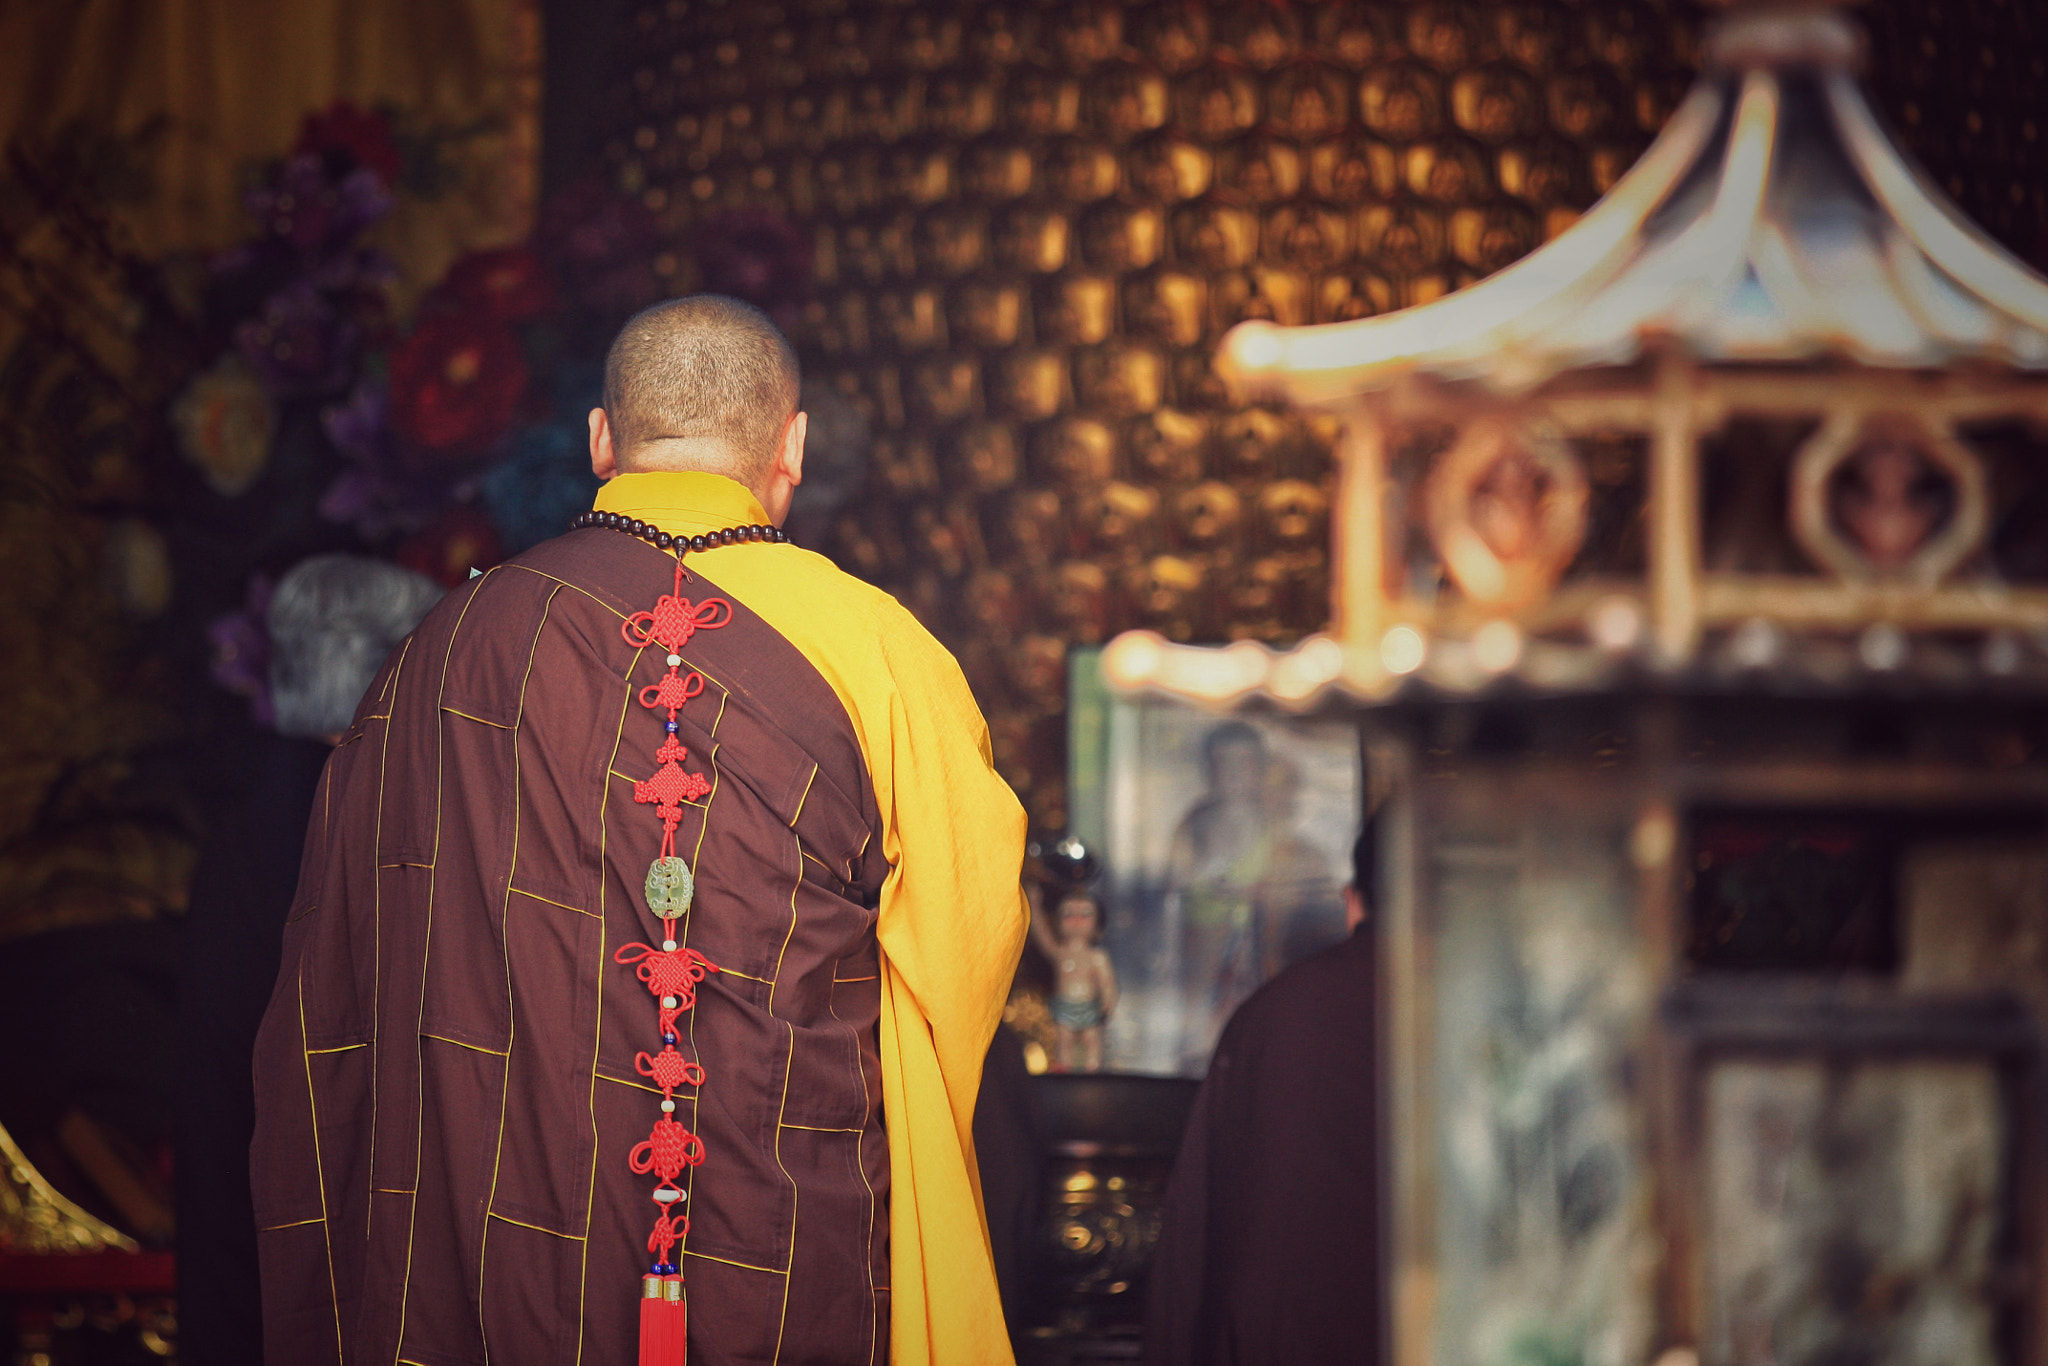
x=663, y=540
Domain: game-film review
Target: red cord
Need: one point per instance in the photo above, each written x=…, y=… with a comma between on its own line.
x=671, y=973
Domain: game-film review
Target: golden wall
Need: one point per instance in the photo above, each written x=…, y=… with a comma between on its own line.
x=1033, y=223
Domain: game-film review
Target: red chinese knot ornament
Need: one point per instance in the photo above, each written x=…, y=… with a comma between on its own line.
x=671, y=972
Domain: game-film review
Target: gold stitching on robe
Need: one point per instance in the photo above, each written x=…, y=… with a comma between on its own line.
x=744, y=1266
x=495, y=725
x=551, y=901
x=521, y=1223
x=789, y=1062
x=604, y=810
x=419, y=1119
x=320, y=1170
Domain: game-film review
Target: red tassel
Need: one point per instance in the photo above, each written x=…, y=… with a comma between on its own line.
x=662, y=1321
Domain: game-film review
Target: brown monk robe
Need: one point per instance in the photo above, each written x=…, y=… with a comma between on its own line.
x=1268, y=1245
x=447, y=1076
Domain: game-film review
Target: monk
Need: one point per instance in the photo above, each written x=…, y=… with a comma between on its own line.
x=1268, y=1243
x=657, y=911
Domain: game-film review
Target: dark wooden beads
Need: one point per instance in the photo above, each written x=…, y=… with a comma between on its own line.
x=655, y=536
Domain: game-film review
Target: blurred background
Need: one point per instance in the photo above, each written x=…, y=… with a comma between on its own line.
x=307, y=276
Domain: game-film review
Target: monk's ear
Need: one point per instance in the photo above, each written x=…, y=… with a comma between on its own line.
x=789, y=460
x=604, y=461
x=786, y=470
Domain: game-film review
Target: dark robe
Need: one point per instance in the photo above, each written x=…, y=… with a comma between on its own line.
x=1009, y=1147
x=1268, y=1247
x=447, y=1089
x=234, y=933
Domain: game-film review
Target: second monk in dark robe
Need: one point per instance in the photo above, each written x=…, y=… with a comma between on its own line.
x=1268, y=1247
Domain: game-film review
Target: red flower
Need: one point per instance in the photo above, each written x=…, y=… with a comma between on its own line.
x=456, y=383
x=362, y=137
x=460, y=540
x=508, y=285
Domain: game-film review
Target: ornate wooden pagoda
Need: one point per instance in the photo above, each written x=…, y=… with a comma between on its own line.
x=1691, y=585
x=1552, y=474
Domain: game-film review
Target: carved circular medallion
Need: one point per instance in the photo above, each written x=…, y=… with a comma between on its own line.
x=1507, y=510
x=1888, y=495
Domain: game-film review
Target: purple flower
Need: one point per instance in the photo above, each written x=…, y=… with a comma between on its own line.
x=381, y=502
x=375, y=494
x=241, y=650
x=357, y=270
x=360, y=425
x=298, y=344
x=307, y=206
x=388, y=489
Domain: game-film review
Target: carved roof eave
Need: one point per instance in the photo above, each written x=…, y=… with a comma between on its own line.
x=1729, y=242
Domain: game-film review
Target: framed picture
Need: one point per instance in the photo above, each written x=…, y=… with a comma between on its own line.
x=1225, y=846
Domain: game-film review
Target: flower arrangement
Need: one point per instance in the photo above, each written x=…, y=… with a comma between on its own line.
x=445, y=439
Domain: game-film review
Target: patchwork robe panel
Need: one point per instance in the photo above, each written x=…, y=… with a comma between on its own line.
x=446, y=1078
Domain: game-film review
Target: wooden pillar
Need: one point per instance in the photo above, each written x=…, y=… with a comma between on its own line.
x=1674, y=517
x=1358, y=538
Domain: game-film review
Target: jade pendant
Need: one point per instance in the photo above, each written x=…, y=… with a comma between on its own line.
x=670, y=886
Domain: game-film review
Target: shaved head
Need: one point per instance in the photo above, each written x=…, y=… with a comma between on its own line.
x=700, y=383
